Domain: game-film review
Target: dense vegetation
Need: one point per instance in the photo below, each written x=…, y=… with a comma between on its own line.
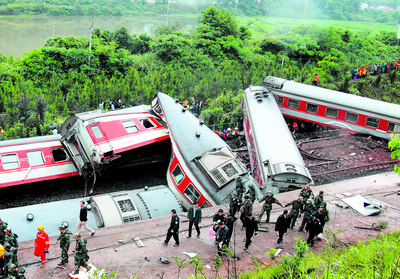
x=325, y=9
x=376, y=258
x=213, y=63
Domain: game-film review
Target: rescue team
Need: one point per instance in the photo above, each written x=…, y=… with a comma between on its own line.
x=314, y=218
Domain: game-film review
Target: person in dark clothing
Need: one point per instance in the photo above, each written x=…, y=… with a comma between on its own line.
x=246, y=210
x=83, y=220
x=234, y=204
x=173, y=229
x=295, y=212
x=222, y=237
x=229, y=222
x=240, y=188
x=3, y=226
x=313, y=228
x=267, y=206
x=218, y=216
x=319, y=199
x=308, y=210
x=251, y=228
x=281, y=226
x=194, y=216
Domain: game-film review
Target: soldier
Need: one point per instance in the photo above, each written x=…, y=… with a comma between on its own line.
x=229, y=222
x=41, y=245
x=81, y=256
x=173, y=229
x=295, y=212
x=15, y=272
x=319, y=199
x=10, y=256
x=282, y=223
x=222, y=239
x=325, y=214
x=234, y=204
x=3, y=226
x=313, y=227
x=218, y=216
x=306, y=193
x=11, y=238
x=251, y=228
x=308, y=210
x=194, y=216
x=65, y=241
x=251, y=192
x=246, y=210
x=239, y=188
x=267, y=206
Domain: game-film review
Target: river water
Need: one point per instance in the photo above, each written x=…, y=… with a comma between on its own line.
x=21, y=34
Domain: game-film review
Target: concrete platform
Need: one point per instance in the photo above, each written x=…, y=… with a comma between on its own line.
x=114, y=248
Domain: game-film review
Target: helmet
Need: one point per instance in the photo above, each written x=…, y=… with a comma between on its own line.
x=309, y=200
x=8, y=229
x=41, y=228
x=61, y=227
x=77, y=235
x=7, y=246
x=269, y=193
x=246, y=197
x=12, y=266
x=300, y=198
x=219, y=222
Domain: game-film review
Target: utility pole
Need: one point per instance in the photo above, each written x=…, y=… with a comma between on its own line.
x=167, y=12
x=90, y=41
x=236, y=5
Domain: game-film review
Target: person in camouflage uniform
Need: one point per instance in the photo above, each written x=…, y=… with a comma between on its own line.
x=325, y=218
x=319, y=199
x=295, y=212
x=234, y=204
x=251, y=192
x=11, y=238
x=15, y=272
x=65, y=241
x=240, y=189
x=267, y=206
x=81, y=256
x=306, y=193
x=3, y=226
x=246, y=210
x=308, y=210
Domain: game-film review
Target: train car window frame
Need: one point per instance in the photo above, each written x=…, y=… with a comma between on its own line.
x=292, y=103
x=331, y=112
x=191, y=193
x=372, y=122
x=145, y=123
x=130, y=126
x=57, y=157
x=280, y=100
x=351, y=117
x=177, y=167
x=126, y=205
x=393, y=127
x=35, y=158
x=205, y=205
x=97, y=132
x=312, y=108
x=10, y=161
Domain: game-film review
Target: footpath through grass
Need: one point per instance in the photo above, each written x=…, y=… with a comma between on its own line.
x=377, y=258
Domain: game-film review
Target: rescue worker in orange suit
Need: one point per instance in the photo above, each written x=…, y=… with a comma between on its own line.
x=315, y=81
x=41, y=244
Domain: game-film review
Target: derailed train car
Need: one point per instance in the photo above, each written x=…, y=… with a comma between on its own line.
x=95, y=140
x=202, y=167
x=106, y=210
x=333, y=108
x=274, y=156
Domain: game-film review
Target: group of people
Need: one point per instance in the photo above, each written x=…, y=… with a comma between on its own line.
x=376, y=69
x=9, y=264
x=313, y=208
x=194, y=107
x=111, y=105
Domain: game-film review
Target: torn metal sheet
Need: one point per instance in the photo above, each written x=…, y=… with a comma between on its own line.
x=363, y=205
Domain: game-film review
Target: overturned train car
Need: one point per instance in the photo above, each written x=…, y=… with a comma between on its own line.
x=274, y=156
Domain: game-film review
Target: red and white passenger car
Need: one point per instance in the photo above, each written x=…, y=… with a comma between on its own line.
x=35, y=159
x=333, y=108
x=123, y=138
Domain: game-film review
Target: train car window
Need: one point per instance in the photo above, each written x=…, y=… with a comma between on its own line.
x=206, y=205
x=130, y=126
x=280, y=100
x=10, y=161
x=352, y=117
x=330, y=112
x=372, y=122
x=147, y=123
x=96, y=132
x=126, y=205
x=178, y=175
x=191, y=193
x=35, y=158
x=59, y=154
x=293, y=104
x=395, y=128
x=312, y=108
x=229, y=169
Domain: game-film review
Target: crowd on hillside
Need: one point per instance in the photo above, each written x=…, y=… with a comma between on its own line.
x=375, y=69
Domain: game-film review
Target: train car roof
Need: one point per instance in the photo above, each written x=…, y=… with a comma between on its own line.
x=185, y=127
x=332, y=96
x=98, y=113
x=56, y=137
